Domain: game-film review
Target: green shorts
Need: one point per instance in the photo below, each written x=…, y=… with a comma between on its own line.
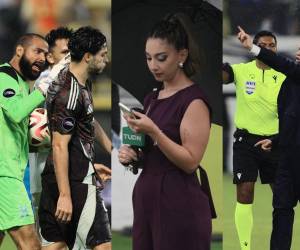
x=15, y=206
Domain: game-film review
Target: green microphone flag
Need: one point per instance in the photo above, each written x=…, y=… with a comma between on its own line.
x=133, y=139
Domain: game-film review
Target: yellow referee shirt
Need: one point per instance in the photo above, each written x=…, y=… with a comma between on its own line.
x=256, y=98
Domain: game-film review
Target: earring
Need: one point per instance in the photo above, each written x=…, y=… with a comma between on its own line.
x=180, y=64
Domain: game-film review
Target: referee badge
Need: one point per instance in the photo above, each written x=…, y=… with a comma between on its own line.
x=250, y=87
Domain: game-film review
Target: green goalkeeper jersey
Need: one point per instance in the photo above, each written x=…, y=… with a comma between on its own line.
x=16, y=103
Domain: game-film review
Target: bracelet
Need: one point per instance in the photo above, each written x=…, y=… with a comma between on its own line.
x=155, y=142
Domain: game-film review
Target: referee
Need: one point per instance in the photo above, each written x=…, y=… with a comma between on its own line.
x=257, y=87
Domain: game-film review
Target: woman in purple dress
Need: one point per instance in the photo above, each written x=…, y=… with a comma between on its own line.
x=171, y=212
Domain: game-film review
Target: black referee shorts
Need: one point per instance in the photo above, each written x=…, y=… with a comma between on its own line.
x=248, y=160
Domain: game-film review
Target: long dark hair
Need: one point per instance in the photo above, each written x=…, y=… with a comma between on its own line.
x=175, y=28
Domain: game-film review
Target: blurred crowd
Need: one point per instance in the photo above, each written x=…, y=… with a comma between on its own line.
x=280, y=16
x=40, y=16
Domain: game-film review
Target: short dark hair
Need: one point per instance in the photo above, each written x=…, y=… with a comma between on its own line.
x=25, y=39
x=263, y=33
x=59, y=33
x=85, y=40
x=175, y=28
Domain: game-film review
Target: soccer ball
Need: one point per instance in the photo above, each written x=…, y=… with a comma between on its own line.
x=38, y=128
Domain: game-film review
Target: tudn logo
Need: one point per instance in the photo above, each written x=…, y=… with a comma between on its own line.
x=9, y=93
x=133, y=137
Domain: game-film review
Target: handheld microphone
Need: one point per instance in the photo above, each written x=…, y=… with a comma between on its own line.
x=136, y=142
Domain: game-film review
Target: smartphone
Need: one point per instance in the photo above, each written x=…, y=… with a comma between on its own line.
x=126, y=110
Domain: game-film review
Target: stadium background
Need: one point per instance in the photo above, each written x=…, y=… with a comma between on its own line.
x=282, y=18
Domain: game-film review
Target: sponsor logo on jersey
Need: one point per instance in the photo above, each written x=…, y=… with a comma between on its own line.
x=239, y=175
x=68, y=123
x=90, y=109
x=250, y=87
x=23, y=211
x=9, y=93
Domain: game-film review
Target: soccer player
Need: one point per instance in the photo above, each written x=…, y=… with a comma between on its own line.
x=256, y=119
x=71, y=212
x=57, y=40
x=16, y=104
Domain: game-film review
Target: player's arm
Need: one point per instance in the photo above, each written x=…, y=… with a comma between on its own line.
x=194, y=133
x=16, y=107
x=101, y=137
x=102, y=171
x=62, y=123
x=61, y=165
x=227, y=73
x=280, y=63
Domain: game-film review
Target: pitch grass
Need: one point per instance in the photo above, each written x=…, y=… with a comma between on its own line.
x=212, y=162
x=120, y=242
x=262, y=217
x=7, y=244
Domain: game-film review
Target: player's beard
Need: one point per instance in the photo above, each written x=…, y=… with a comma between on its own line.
x=94, y=70
x=26, y=68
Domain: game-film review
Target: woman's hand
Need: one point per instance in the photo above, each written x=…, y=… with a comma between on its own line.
x=141, y=123
x=265, y=145
x=127, y=155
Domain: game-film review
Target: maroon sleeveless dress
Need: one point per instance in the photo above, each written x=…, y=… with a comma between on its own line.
x=171, y=212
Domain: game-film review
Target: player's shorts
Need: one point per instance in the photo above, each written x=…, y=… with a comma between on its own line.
x=89, y=225
x=15, y=206
x=26, y=181
x=248, y=160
